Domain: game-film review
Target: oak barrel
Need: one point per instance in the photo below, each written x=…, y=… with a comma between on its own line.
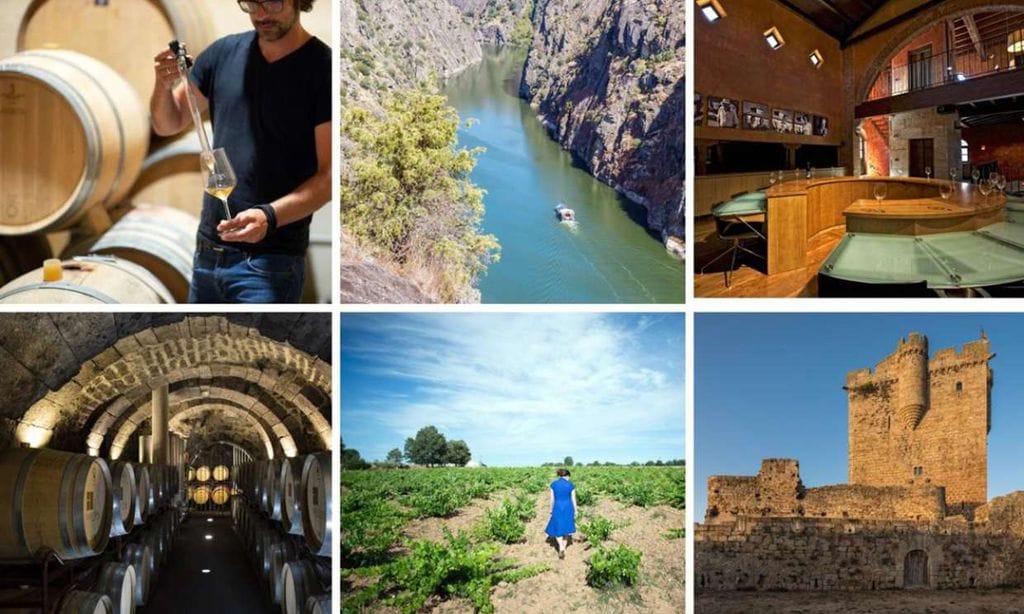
x=158, y=238
x=221, y=473
x=291, y=502
x=203, y=473
x=220, y=495
x=317, y=492
x=320, y=604
x=144, y=494
x=84, y=602
x=89, y=279
x=170, y=173
x=117, y=581
x=272, y=489
x=56, y=500
x=124, y=498
x=201, y=495
x=75, y=136
x=140, y=557
x=281, y=553
x=21, y=254
x=125, y=34
x=300, y=583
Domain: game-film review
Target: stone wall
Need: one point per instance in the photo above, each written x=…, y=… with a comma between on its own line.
x=924, y=124
x=944, y=443
x=777, y=491
x=828, y=554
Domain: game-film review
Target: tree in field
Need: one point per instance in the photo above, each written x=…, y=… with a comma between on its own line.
x=406, y=192
x=394, y=456
x=427, y=448
x=568, y=461
x=351, y=459
x=457, y=453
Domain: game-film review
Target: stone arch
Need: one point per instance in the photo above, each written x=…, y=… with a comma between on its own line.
x=243, y=430
x=915, y=569
x=100, y=370
x=915, y=26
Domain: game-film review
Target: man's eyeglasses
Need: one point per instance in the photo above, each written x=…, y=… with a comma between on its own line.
x=269, y=6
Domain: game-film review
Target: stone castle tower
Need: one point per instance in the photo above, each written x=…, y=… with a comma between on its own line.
x=915, y=421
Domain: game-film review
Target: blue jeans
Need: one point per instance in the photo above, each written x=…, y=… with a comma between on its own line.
x=227, y=275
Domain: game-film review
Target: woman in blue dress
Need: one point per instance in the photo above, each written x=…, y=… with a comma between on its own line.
x=563, y=510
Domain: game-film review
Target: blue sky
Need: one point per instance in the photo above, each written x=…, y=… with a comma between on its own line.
x=770, y=385
x=520, y=389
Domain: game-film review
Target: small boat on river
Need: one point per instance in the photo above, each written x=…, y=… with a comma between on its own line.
x=565, y=214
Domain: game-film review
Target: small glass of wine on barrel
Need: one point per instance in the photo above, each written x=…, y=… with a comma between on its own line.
x=218, y=176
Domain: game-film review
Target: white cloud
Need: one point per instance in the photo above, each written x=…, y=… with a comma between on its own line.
x=525, y=387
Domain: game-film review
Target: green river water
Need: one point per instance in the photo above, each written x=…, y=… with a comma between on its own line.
x=607, y=256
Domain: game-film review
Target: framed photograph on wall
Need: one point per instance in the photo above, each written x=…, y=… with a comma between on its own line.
x=802, y=123
x=722, y=113
x=755, y=116
x=698, y=109
x=782, y=121
x=820, y=125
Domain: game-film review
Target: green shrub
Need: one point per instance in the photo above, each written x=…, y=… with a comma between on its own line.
x=597, y=530
x=613, y=567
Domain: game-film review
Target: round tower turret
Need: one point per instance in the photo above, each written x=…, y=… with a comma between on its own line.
x=912, y=385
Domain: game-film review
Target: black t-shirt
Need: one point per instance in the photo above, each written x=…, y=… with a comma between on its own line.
x=264, y=115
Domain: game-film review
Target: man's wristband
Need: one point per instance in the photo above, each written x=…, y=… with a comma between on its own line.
x=271, y=217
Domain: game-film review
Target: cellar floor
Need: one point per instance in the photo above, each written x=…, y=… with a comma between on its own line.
x=232, y=584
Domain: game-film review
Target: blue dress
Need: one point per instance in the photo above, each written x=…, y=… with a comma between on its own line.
x=563, y=520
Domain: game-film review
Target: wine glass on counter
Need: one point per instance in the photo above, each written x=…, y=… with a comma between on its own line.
x=772, y=179
x=1001, y=182
x=975, y=175
x=218, y=176
x=880, y=190
x=928, y=173
x=953, y=173
x=985, y=186
x=945, y=189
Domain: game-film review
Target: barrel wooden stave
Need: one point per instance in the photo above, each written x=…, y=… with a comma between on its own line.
x=74, y=138
x=89, y=280
x=117, y=581
x=140, y=557
x=122, y=476
x=61, y=501
x=300, y=583
x=85, y=602
x=317, y=493
x=291, y=500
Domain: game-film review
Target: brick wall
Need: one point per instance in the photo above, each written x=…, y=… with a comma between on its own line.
x=1004, y=143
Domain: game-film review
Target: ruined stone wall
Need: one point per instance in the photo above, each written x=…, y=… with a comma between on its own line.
x=894, y=442
x=828, y=554
x=777, y=491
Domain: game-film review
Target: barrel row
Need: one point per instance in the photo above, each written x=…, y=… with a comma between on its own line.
x=295, y=492
x=203, y=473
x=73, y=504
x=292, y=581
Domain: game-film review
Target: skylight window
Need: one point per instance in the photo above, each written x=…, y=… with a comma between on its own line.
x=711, y=9
x=774, y=38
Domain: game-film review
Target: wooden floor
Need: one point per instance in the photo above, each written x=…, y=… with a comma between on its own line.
x=749, y=279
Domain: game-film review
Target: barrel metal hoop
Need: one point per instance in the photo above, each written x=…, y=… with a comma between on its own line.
x=60, y=285
x=132, y=269
x=94, y=145
x=122, y=154
x=19, y=496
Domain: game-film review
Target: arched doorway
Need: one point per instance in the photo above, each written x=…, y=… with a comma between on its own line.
x=915, y=569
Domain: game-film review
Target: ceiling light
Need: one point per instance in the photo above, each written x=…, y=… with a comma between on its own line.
x=816, y=58
x=711, y=9
x=206, y=571
x=208, y=536
x=209, y=520
x=774, y=38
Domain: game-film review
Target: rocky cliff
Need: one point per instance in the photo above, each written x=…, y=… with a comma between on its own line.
x=606, y=77
x=498, y=22
x=390, y=45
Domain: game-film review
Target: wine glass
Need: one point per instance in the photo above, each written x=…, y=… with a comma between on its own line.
x=218, y=176
x=1001, y=182
x=953, y=173
x=985, y=186
x=928, y=173
x=975, y=175
x=880, y=189
x=945, y=189
x=772, y=178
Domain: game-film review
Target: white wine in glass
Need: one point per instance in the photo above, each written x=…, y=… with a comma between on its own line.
x=218, y=176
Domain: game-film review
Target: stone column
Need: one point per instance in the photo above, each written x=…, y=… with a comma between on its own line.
x=160, y=420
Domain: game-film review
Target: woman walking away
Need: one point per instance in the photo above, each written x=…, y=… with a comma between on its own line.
x=563, y=510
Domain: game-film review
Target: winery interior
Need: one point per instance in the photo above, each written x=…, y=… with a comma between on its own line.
x=859, y=148
x=85, y=184
x=165, y=463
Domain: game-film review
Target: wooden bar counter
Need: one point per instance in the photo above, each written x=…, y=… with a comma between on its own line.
x=798, y=210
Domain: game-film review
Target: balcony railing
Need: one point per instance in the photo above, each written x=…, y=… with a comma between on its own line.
x=1001, y=54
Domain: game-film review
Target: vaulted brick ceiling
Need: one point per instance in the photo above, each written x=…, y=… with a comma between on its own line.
x=84, y=382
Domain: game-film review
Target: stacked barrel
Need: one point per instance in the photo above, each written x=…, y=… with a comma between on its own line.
x=81, y=172
x=76, y=79
x=209, y=488
x=283, y=517
x=113, y=519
